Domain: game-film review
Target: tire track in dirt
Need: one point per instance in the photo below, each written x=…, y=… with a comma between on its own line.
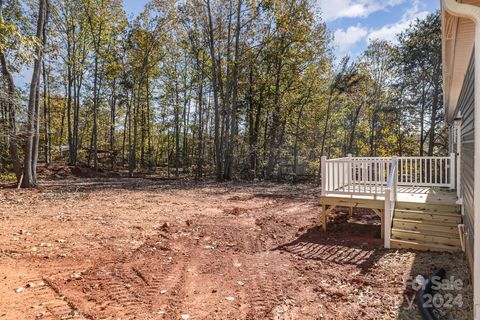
x=119, y=296
x=246, y=241
x=263, y=298
x=148, y=284
x=165, y=289
x=273, y=289
x=108, y=277
x=211, y=287
x=57, y=306
x=33, y=290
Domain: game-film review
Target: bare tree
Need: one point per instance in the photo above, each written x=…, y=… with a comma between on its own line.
x=11, y=126
x=31, y=150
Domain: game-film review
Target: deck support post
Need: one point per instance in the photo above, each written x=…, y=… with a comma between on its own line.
x=381, y=214
x=323, y=218
x=382, y=218
x=325, y=215
x=326, y=209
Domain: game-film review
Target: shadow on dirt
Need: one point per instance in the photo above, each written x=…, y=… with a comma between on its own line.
x=343, y=243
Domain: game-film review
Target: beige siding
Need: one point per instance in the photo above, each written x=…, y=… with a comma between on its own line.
x=465, y=109
x=457, y=42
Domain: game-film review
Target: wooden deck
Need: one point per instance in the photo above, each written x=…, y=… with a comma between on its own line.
x=421, y=198
x=413, y=196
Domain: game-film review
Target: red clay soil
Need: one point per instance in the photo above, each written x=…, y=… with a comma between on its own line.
x=150, y=249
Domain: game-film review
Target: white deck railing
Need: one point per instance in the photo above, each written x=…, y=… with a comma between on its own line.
x=427, y=171
x=369, y=175
x=358, y=176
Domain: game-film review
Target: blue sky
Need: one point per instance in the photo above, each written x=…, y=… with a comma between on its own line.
x=355, y=22
x=134, y=7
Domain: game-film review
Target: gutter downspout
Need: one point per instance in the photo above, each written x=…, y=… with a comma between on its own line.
x=473, y=13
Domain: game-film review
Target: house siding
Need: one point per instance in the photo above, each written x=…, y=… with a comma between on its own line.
x=465, y=110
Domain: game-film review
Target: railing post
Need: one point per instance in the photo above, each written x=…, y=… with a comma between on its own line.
x=387, y=219
x=349, y=168
x=323, y=165
x=395, y=178
x=453, y=171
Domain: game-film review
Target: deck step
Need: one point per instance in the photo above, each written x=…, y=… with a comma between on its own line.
x=428, y=216
x=426, y=236
x=420, y=225
x=428, y=229
x=423, y=246
x=431, y=207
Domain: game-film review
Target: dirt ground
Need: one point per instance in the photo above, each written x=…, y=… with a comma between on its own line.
x=120, y=248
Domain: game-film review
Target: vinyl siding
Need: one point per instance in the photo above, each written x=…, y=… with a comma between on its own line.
x=465, y=109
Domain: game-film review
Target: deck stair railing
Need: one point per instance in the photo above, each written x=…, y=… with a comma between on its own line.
x=390, y=200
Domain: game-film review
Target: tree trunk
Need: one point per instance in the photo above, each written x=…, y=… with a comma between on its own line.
x=233, y=126
x=132, y=164
x=177, y=129
x=353, y=129
x=297, y=135
x=325, y=127
x=12, y=131
x=275, y=122
x=95, y=111
x=199, y=172
x=46, y=116
x=112, y=121
x=12, y=123
x=218, y=146
x=69, y=100
x=251, y=128
x=151, y=162
x=78, y=82
x=28, y=163
x=422, y=121
x=36, y=139
x=434, y=116
x=126, y=125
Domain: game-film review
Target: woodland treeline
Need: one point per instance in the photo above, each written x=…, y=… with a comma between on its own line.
x=222, y=88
